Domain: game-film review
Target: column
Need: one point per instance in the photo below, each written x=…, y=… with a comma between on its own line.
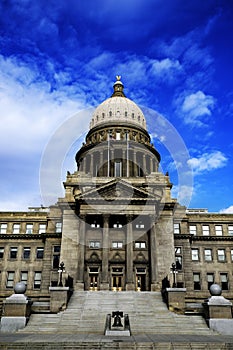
x=144, y=164
x=81, y=251
x=91, y=170
x=130, y=285
x=101, y=164
x=153, y=257
x=135, y=171
x=104, y=285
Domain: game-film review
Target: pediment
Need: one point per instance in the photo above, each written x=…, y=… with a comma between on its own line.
x=116, y=190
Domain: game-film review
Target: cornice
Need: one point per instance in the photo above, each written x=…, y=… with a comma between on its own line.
x=202, y=238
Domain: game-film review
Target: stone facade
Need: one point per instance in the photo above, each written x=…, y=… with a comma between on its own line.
x=117, y=227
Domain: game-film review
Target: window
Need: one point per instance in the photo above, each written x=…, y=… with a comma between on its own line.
x=193, y=230
x=176, y=228
x=10, y=279
x=26, y=252
x=117, y=225
x=3, y=228
x=1, y=252
x=118, y=136
x=205, y=230
x=24, y=277
x=13, y=252
x=42, y=228
x=118, y=168
x=117, y=245
x=230, y=230
x=95, y=225
x=37, y=280
x=140, y=225
x=16, y=228
x=195, y=254
x=208, y=254
x=178, y=257
x=210, y=279
x=218, y=230
x=224, y=281
x=39, y=253
x=56, y=256
x=231, y=254
x=221, y=254
x=140, y=245
x=58, y=227
x=94, y=244
x=196, y=281
x=29, y=228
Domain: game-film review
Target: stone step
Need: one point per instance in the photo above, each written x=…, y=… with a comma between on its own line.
x=86, y=313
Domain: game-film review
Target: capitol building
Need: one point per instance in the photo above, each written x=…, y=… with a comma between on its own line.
x=117, y=227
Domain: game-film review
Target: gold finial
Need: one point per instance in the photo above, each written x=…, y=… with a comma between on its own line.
x=118, y=87
x=118, y=77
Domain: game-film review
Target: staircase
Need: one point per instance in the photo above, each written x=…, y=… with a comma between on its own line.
x=86, y=313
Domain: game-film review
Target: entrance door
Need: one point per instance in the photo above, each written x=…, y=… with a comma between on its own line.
x=140, y=283
x=93, y=282
x=117, y=283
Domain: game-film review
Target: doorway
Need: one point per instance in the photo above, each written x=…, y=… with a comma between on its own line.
x=117, y=283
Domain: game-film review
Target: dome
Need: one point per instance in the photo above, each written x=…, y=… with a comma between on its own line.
x=118, y=109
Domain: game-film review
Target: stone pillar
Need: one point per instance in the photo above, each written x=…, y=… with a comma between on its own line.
x=104, y=285
x=16, y=310
x=153, y=257
x=58, y=298
x=130, y=285
x=101, y=169
x=135, y=172
x=81, y=251
x=91, y=166
x=144, y=164
x=218, y=311
x=176, y=299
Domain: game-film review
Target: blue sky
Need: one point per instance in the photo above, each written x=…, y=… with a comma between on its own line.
x=60, y=57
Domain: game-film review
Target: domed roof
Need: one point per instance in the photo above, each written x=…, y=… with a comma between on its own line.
x=118, y=109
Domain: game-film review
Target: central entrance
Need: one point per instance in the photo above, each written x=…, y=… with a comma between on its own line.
x=117, y=279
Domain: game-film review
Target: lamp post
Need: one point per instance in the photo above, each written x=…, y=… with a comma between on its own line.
x=174, y=272
x=61, y=269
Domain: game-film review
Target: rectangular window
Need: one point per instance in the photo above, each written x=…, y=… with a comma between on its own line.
x=42, y=228
x=193, y=230
x=37, y=280
x=176, y=228
x=1, y=252
x=26, y=252
x=231, y=254
x=178, y=257
x=118, y=169
x=205, y=230
x=210, y=279
x=10, y=279
x=196, y=281
x=117, y=225
x=56, y=256
x=117, y=245
x=95, y=225
x=230, y=230
x=195, y=254
x=58, y=227
x=16, y=228
x=140, y=245
x=24, y=277
x=139, y=226
x=13, y=252
x=218, y=230
x=29, y=228
x=118, y=136
x=208, y=254
x=94, y=244
x=224, y=281
x=3, y=228
x=39, y=253
x=221, y=254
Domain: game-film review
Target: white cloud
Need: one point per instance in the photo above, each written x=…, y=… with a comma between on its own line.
x=166, y=69
x=228, y=210
x=183, y=194
x=29, y=110
x=207, y=162
x=196, y=107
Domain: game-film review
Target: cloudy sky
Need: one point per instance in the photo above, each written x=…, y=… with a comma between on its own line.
x=60, y=57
